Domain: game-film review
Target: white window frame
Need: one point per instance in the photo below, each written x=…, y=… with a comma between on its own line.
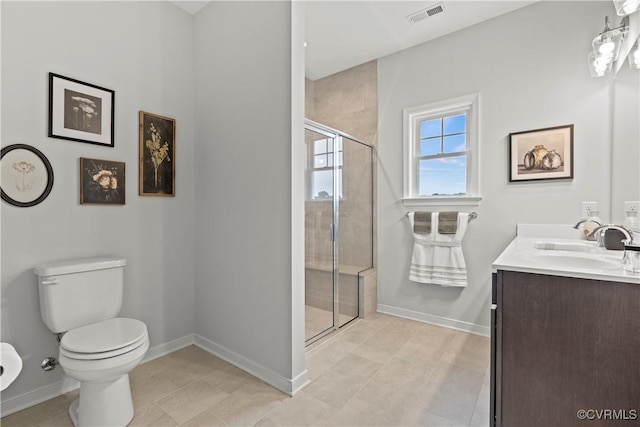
x=469, y=104
x=337, y=175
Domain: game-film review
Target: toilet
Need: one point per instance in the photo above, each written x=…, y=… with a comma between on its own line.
x=81, y=298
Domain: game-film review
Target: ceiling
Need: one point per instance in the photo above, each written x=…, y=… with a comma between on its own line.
x=343, y=34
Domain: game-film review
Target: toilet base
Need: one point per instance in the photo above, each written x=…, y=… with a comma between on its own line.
x=73, y=411
x=103, y=404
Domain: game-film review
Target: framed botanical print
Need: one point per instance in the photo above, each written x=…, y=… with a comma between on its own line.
x=27, y=175
x=157, y=155
x=102, y=182
x=80, y=111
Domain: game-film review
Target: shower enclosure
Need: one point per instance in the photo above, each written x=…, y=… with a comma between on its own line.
x=338, y=227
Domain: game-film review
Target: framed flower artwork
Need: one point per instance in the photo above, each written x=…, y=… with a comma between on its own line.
x=157, y=155
x=80, y=111
x=27, y=176
x=102, y=182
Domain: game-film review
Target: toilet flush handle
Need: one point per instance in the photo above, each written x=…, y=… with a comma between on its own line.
x=51, y=282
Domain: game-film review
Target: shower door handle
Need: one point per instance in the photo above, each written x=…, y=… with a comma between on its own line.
x=332, y=232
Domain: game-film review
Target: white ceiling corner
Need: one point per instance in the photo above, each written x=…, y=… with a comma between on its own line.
x=190, y=6
x=341, y=34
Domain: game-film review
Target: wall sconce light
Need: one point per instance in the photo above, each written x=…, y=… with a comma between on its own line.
x=606, y=47
x=626, y=7
x=634, y=56
x=599, y=66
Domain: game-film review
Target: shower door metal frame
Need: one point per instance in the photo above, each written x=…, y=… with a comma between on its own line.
x=335, y=226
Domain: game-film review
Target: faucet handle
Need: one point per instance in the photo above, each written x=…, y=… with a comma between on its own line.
x=611, y=236
x=614, y=238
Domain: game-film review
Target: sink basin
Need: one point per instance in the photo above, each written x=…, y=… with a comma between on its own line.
x=577, y=261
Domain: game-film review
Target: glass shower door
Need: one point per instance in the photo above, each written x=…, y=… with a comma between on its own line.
x=355, y=219
x=338, y=228
x=320, y=251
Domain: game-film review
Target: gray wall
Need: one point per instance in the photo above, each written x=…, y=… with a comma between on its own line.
x=144, y=51
x=531, y=71
x=249, y=250
x=244, y=183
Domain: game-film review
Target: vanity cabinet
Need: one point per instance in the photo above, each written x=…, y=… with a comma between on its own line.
x=562, y=345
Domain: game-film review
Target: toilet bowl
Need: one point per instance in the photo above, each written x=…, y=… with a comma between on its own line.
x=81, y=298
x=100, y=356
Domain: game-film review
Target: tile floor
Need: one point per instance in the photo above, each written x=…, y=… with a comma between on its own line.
x=317, y=320
x=382, y=371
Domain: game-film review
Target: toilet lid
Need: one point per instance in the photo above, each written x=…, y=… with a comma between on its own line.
x=107, y=335
x=105, y=354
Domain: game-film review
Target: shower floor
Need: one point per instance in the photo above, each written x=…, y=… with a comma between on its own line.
x=318, y=320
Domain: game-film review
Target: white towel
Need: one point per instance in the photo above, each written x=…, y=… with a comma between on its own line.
x=438, y=258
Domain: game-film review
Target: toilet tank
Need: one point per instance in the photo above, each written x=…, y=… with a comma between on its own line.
x=78, y=292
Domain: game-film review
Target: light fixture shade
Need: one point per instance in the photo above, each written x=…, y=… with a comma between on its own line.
x=626, y=7
x=607, y=45
x=634, y=56
x=598, y=66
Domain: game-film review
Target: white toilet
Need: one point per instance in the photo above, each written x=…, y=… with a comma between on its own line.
x=82, y=298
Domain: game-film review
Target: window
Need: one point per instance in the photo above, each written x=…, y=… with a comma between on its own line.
x=441, y=152
x=322, y=158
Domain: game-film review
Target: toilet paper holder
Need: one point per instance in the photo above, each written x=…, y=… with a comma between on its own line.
x=10, y=365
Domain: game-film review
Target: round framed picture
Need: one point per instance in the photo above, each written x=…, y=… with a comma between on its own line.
x=27, y=176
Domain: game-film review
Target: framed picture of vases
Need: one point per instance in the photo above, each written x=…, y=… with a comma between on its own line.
x=80, y=111
x=157, y=155
x=541, y=154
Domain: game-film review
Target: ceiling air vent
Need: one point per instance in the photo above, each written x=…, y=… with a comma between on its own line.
x=425, y=13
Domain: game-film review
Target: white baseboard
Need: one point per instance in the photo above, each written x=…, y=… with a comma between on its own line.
x=31, y=398
x=39, y=395
x=288, y=386
x=285, y=385
x=169, y=347
x=458, y=325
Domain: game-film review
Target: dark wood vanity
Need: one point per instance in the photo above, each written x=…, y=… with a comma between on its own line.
x=565, y=351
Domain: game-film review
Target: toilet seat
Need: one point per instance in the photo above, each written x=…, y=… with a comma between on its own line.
x=102, y=340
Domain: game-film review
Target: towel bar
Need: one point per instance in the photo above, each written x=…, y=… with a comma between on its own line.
x=472, y=215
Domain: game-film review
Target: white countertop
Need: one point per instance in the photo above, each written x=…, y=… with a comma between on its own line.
x=522, y=255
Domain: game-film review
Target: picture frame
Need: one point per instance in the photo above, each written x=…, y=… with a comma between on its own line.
x=80, y=111
x=27, y=175
x=157, y=155
x=102, y=182
x=541, y=154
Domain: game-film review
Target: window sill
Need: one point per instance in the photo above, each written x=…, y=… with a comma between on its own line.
x=449, y=201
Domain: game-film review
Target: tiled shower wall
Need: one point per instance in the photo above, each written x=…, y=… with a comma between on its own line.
x=346, y=101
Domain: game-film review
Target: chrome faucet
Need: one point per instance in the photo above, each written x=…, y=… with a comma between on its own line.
x=582, y=221
x=600, y=231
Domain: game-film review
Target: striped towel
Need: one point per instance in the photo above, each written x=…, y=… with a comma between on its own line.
x=437, y=257
x=422, y=222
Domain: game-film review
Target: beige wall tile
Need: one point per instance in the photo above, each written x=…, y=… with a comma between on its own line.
x=309, y=98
